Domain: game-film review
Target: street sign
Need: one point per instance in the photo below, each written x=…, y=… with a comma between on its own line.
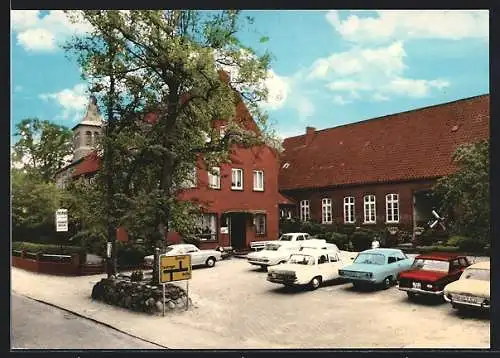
x=174, y=268
x=61, y=220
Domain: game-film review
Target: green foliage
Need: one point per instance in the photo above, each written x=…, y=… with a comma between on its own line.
x=466, y=243
x=130, y=255
x=37, y=248
x=166, y=62
x=362, y=238
x=339, y=239
x=438, y=248
x=465, y=195
x=34, y=204
x=137, y=276
x=44, y=147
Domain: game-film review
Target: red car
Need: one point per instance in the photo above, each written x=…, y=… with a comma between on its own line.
x=430, y=273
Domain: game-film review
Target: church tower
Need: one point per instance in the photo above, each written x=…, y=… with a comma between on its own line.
x=86, y=134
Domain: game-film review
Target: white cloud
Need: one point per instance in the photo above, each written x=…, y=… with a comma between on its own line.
x=378, y=72
x=37, y=33
x=390, y=25
x=278, y=88
x=72, y=100
x=305, y=108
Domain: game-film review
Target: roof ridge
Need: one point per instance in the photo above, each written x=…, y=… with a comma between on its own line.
x=387, y=116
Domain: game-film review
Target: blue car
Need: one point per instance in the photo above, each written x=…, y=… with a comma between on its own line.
x=376, y=267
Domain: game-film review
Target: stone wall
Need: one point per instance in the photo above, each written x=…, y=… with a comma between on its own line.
x=140, y=296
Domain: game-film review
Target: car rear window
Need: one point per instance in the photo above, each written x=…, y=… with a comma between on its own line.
x=431, y=265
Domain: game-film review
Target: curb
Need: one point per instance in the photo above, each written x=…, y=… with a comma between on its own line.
x=91, y=319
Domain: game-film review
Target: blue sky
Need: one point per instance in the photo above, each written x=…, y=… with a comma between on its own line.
x=330, y=67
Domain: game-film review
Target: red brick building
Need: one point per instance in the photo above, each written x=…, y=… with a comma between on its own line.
x=376, y=173
x=239, y=205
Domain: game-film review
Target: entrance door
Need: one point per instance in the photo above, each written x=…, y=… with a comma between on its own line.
x=237, y=231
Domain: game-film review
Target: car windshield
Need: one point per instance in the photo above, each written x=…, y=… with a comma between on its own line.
x=476, y=274
x=272, y=247
x=431, y=265
x=169, y=248
x=301, y=259
x=286, y=237
x=370, y=258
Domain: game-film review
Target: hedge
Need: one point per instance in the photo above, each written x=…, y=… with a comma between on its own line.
x=467, y=244
x=35, y=248
x=438, y=248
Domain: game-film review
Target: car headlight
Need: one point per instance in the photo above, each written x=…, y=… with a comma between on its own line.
x=429, y=286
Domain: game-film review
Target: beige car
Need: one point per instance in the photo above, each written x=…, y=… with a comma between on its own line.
x=472, y=290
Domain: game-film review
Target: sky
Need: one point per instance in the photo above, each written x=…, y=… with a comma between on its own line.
x=329, y=67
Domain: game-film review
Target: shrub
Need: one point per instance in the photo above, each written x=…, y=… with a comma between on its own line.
x=362, y=238
x=341, y=240
x=136, y=276
x=129, y=254
x=427, y=238
x=36, y=248
x=438, y=248
x=466, y=243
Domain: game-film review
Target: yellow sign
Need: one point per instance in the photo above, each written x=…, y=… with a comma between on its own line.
x=175, y=268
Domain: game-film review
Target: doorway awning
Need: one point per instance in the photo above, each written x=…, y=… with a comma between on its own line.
x=244, y=211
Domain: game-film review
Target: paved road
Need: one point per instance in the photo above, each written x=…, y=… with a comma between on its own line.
x=39, y=326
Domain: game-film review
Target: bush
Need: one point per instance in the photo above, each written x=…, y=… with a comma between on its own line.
x=341, y=240
x=362, y=238
x=466, y=243
x=427, y=238
x=92, y=243
x=136, y=276
x=130, y=254
x=438, y=248
x=36, y=248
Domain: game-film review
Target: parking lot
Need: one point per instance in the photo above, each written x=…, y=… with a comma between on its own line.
x=235, y=299
x=235, y=307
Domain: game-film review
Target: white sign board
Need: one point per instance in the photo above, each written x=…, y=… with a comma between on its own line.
x=61, y=220
x=224, y=230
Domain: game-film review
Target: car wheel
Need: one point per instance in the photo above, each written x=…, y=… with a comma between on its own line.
x=315, y=282
x=281, y=262
x=210, y=262
x=356, y=285
x=387, y=282
x=263, y=267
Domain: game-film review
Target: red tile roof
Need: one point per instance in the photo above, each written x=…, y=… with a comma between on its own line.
x=411, y=145
x=89, y=165
x=285, y=200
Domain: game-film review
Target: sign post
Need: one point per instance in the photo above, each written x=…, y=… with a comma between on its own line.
x=174, y=268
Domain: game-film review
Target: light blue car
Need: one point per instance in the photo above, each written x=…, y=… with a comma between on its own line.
x=376, y=267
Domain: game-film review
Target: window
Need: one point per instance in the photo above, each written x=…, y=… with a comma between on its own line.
x=392, y=208
x=286, y=213
x=304, y=210
x=214, y=178
x=207, y=224
x=463, y=261
x=258, y=180
x=333, y=258
x=326, y=211
x=96, y=138
x=76, y=140
x=88, y=138
x=237, y=179
x=369, y=201
x=392, y=260
x=259, y=221
x=349, y=216
x=300, y=238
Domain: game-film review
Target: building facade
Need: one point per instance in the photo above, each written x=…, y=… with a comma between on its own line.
x=379, y=173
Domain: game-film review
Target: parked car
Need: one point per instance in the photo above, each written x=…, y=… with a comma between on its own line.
x=472, y=289
x=291, y=237
x=198, y=257
x=274, y=253
x=376, y=267
x=318, y=244
x=431, y=272
x=308, y=267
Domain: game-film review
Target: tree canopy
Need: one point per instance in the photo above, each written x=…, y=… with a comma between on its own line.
x=465, y=195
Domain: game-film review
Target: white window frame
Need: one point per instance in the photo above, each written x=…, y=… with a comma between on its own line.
x=214, y=179
x=370, y=209
x=256, y=186
x=255, y=223
x=349, y=210
x=392, y=208
x=208, y=220
x=234, y=172
x=326, y=211
x=305, y=213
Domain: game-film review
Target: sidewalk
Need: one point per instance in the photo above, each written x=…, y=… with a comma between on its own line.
x=73, y=294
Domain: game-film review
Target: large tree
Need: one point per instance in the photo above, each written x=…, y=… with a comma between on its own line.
x=465, y=195
x=43, y=147
x=168, y=63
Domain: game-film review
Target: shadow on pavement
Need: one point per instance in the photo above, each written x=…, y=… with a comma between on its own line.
x=470, y=313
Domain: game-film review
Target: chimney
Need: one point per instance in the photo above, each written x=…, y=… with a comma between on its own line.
x=309, y=134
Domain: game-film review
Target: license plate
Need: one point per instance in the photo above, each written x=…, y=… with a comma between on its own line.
x=467, y=299
x=417, y=285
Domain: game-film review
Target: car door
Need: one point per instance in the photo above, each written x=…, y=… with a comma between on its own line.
x=393, y=266
x=404, y=263
x=196, y=255
x=332, y=269
x=324, y=266
x=455, y=270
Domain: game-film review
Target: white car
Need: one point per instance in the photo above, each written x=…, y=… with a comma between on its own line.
x=289, y=237
x=198, y=257
x=274, y=253
x=309, y=267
